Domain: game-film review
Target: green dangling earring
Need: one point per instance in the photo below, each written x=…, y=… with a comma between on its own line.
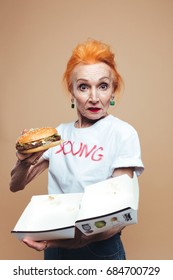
x=72, y=103
x=112, y=101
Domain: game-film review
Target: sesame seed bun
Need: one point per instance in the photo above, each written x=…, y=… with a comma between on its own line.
x=39, y=139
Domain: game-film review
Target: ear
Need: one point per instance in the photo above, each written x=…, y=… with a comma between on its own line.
x=71, y=89
x=72, y=95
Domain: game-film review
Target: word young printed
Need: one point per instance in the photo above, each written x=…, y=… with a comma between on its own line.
x=80, y=150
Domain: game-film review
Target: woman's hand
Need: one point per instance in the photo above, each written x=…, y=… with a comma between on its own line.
x=37, y=245
x=27, y=167
x=80, y=240
x=29, y=159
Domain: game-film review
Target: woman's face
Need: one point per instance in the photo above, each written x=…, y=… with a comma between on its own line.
x=92, y=89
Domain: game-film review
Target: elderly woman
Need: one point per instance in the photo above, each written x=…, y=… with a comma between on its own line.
x=96, y=146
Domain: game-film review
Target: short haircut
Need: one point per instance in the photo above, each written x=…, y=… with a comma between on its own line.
x=90, y=52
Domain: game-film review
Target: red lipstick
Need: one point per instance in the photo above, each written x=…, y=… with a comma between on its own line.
x=94, y=109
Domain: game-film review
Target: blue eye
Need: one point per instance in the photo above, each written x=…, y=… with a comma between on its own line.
x=83, y=87
x=103, y=86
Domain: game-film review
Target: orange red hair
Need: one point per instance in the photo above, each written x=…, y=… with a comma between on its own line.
x=89, y=52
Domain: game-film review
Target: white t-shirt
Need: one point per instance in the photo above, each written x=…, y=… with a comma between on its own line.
x=90, y=155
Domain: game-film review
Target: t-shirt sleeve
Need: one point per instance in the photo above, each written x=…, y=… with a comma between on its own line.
x=129, y=151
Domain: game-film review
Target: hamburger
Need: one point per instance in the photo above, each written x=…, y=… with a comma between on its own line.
x=38, y=139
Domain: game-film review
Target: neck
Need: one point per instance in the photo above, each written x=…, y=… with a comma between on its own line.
x=84, y=122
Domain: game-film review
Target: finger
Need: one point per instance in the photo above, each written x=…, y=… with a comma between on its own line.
x=29, y=158
x=21, y=156
x=39, y=246
x=24, y=131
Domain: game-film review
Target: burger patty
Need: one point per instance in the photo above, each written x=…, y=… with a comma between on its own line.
x=38, y=143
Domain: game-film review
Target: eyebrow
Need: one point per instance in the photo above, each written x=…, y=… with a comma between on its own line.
x=102, y=78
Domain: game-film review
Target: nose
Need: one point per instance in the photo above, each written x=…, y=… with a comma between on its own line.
x=94, y=98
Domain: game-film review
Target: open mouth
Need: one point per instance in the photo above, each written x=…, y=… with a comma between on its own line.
x=94, y=109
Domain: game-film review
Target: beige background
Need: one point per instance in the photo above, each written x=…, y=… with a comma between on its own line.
x=37, y=37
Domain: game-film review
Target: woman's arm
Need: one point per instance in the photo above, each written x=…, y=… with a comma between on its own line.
x=121, y=171
x=80, y=239
x=26, y=169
